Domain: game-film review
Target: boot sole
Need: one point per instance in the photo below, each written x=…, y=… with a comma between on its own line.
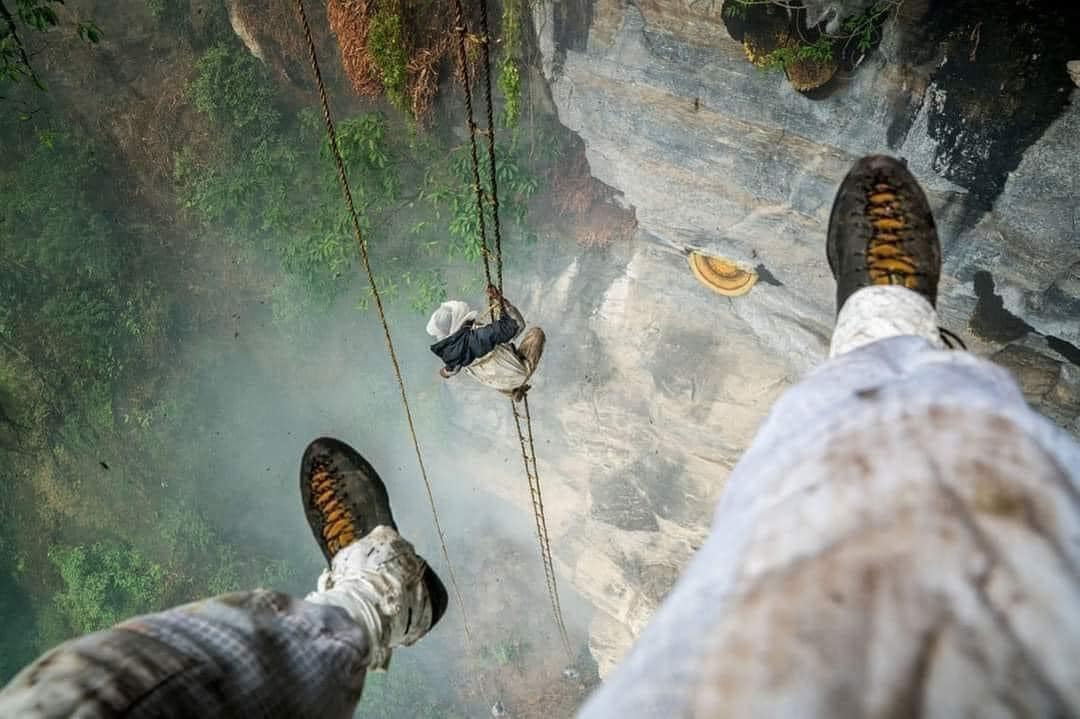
x=340, y=487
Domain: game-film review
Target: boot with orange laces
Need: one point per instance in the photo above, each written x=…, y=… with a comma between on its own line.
x=883, y=251
x=374, y=574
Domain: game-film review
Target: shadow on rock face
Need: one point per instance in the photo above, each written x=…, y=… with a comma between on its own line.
x=572, y=20
x=995, y=76
x=991, y=321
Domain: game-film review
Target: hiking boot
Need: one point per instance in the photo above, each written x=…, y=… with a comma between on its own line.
x=374, y=575
x=344, y=498
x=881, y=232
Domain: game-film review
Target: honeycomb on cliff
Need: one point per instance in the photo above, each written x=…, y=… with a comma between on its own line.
x=721, y=275
x=805, y=70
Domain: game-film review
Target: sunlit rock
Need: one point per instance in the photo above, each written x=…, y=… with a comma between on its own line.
x=663, y=383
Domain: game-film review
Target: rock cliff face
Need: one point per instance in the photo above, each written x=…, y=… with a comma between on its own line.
x=653, y=385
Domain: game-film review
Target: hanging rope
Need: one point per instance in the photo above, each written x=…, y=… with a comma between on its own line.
x=346, y=192
x=528, y=451
x=463, y=63
x=485, y=44
x=528, y=458
x=470, y=118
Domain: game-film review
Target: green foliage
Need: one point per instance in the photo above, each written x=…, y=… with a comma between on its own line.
x=366, y=151
x=452, y=189
x=52, y=626
x=208, y=564
x=68, y=299
x=428, y=289
x=232, y=88
x=737, y=8
x=510, y=86
x=255, y=189
x=88, y=31
x=509, y=63
x=861, y=28
x=24, y=408
x=105, y=583
x=387, y=48
x=508, y=652
x=187, y=532
x=242, y=182
x=244, y=191
x=226, y=574
x=821, y=50
x=37, y=16
x=157, y=8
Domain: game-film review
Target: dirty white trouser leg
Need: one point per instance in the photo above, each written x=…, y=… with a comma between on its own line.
x=378, y=581
x=898, y=540
x=882, y=311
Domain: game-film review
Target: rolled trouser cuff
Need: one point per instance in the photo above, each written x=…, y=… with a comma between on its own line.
x=882, y=311
x=378, y=581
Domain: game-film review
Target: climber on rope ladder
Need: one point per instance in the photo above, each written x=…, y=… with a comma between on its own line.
x=483, y=346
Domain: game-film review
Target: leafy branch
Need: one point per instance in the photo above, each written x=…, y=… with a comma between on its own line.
x=40, y=16
x=858, y=28
x=14, y=62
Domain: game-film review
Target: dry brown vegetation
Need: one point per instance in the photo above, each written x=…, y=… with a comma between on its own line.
x=428, y=39
x=350, y=21
x=151, y=127
x=424, y=76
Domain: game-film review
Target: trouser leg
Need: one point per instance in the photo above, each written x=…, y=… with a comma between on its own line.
x=531, y=347
x=378, y=582
x=897, y=540
x=245, y=654
x=882, y=311
x=237, y=655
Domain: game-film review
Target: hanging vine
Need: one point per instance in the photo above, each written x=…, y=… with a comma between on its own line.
x=510, y=62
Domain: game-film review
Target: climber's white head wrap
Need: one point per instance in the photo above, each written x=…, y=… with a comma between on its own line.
x=449, y=318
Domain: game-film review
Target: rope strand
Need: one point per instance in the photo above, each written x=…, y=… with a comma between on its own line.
x=346, y=192
x=463, y=62
x=528, y=453
x=484, y=48
x=528, y=458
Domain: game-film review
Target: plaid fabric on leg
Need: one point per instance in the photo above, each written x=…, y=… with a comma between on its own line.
x=248, y=654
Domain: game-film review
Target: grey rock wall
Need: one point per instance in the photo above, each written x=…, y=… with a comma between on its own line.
x=653, y=385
